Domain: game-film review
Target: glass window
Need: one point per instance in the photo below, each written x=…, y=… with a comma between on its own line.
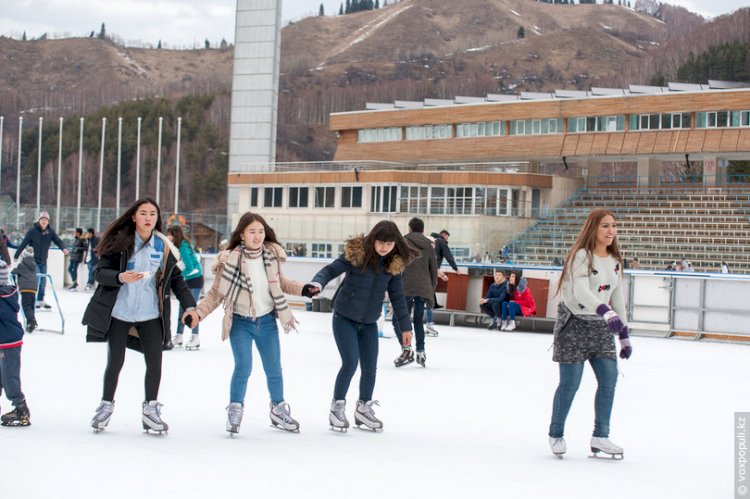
x=253, y=197
x=383, y=198
x=321, y=250
x=437, y=200
x=272, y=197
x=296, y=248
x=324, y=197
x=298, y=197
x=351, y=197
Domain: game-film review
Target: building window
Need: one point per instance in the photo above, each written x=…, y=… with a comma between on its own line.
x=295, y=248
x=253, y=197
x=351, y=197
x=664, y=121
x=383, y=198
x=325, y=197
x=536, y=126
x=428, y=132
x=719, y=119
x=460, y=200
x=298, y=197
x=321, y=250
x=272, y=197
x=437, y=200
x=480, y=129
x=390, y=134
x=582, y=124
x=413, y=199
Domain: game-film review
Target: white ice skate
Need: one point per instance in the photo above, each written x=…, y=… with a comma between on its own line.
x=605, y=445
x=558, y=446
x=194, y=343
x=429, y=329
x=282, y=418
x=177, y=340
x=422, y=359
x=365, y=415
x=234, y=417
x=102, y=416
x=511, y=326
x=337, y=416
x=152, y=417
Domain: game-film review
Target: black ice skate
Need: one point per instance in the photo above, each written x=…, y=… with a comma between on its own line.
x=605, y=445
x=152, y=417
x=20, y=416
x=282, y=418
x=406, y=357
x=365, y=415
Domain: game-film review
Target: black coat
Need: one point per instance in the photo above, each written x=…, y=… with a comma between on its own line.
x=40, y=240
x=98, y=315
x=443, y=251
x=80, y=245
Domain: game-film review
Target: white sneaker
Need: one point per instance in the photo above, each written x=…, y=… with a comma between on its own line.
x=511, y=326
x=194, y=343
x=177, y=340
x=558, y=446
x=599, y=444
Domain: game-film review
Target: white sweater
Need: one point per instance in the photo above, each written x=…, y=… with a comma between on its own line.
x=582, y=291
x=262, y=300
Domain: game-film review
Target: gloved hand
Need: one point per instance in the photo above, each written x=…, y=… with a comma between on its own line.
x=310, y=290
x=625, y=349
x=614, y=323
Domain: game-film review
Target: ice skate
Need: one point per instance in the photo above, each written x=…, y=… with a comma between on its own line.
x=365, y=415
x=234, y=417
x=511, y=326
x=19, y=416
x=43, y=305
x=31, y=326
x=194, y=343
x=493, y=324
x=152, y=417
x=422, y=359
x=558, y=446
x=406, y=357
x=429, y=329
x=281, y=417
x=73, y=287
x=337, y=416
x=177, y=340
x=88, y=287
x=102, y=416
x=605, y=445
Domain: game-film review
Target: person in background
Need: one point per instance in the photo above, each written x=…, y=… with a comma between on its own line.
x=80, y=245
x=635, y=264
x=519, y=301
x=40, y=237
x=497, y=294
x=131, y=307
x=25, y=269
x=11, y=340
x=8, y=243
x=193, y=275
x=4, y=254
x=91, y=258
x=373, y=265
x=590, y=314
x=724, y=269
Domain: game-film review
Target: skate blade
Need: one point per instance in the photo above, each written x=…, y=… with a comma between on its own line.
x=192, y=348
x=605, y=455
x=16, y=423
x=338, y=429
x=151, y=431
x=364, y=427
x=279, y=426
x=559, y=455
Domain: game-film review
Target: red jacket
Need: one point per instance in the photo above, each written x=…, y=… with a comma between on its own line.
x=526, y=301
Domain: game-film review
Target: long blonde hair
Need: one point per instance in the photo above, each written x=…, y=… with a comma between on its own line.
x=587, y=241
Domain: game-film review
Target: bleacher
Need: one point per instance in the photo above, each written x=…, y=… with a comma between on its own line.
x=658, y=225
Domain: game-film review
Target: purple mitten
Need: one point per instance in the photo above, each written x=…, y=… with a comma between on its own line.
x=626, y=350
x=613, y=320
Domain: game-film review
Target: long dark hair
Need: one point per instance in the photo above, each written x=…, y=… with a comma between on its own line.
x=387, y=232
x=119, y=235
x=177, y=235
x=235, y=239
x=587, y=240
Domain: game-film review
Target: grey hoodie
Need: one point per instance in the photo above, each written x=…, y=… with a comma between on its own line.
x=420, y=277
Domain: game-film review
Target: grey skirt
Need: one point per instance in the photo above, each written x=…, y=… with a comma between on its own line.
x=579, y=338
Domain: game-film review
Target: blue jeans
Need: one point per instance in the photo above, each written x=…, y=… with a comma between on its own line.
x=429, y=315
x=510, y=308
x=570, y=379
x=196, y=293
x=91, y=266
x=73, y=271
x=10, y=374
x=417, y=316
x=357, y=343
x=265, y=332
x=41, y=268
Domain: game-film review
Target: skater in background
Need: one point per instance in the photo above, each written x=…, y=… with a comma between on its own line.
x=25, y=269
x=520, y=302
x=193, y=275
x=80, y=245
x=4, y=245
x=724, y=268
x=137, y=268
x=420, y=279
x=250, y=285
x=590, y=314
x=442, y=251
x=91, y=259
x=497, y=295
x=373, y=264
x=11, y=339
x=40, y=237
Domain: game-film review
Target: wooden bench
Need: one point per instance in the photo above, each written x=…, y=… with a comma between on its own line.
x=475, y=319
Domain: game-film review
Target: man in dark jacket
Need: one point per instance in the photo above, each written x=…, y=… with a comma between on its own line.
x=496, y=294
x=40, y=237
x=442, y=250
x=420, y=279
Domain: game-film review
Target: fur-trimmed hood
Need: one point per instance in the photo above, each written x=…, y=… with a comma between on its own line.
x=354, y=251
x=172, y=249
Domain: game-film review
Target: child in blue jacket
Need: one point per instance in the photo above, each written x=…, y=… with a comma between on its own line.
x=11, y=339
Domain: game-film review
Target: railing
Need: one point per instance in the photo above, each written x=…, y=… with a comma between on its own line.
x=304, y=166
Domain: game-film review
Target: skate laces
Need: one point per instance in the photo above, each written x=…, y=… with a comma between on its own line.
x=153, y=411
x=282, y=411
x=365, y=409
x=338, y=410
x=234, y=413
x=104, y=411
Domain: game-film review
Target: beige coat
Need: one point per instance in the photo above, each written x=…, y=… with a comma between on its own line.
x=214, y=298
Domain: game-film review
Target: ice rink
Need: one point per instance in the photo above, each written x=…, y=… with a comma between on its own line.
x=472, y=424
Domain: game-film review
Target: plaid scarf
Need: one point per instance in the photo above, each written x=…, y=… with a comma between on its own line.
x=236, y=286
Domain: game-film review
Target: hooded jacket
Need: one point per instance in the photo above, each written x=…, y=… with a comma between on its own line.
x=522, y=296
x=26, y=272
x=40, y=240
x=420, y=276
x=11, y=332
x=98, y=314
x=443, y=251
x=360, y=296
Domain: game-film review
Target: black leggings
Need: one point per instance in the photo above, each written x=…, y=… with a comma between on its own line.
x=151, y=339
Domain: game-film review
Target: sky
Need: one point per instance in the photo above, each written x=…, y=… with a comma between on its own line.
x=180, y=23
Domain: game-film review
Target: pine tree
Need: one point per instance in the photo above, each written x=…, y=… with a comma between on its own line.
x=348, y=8
x=158, y=46
x=321, y=10
x=377, y=4
x=521, y=33
x=23, y=37
x=206, y=44
x=341, y=9
x=102, y=33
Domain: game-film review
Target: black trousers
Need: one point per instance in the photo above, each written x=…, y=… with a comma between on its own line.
x=27, y=302
x=151, y=340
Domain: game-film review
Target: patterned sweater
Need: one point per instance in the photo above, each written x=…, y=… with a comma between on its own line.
x=582, y=291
